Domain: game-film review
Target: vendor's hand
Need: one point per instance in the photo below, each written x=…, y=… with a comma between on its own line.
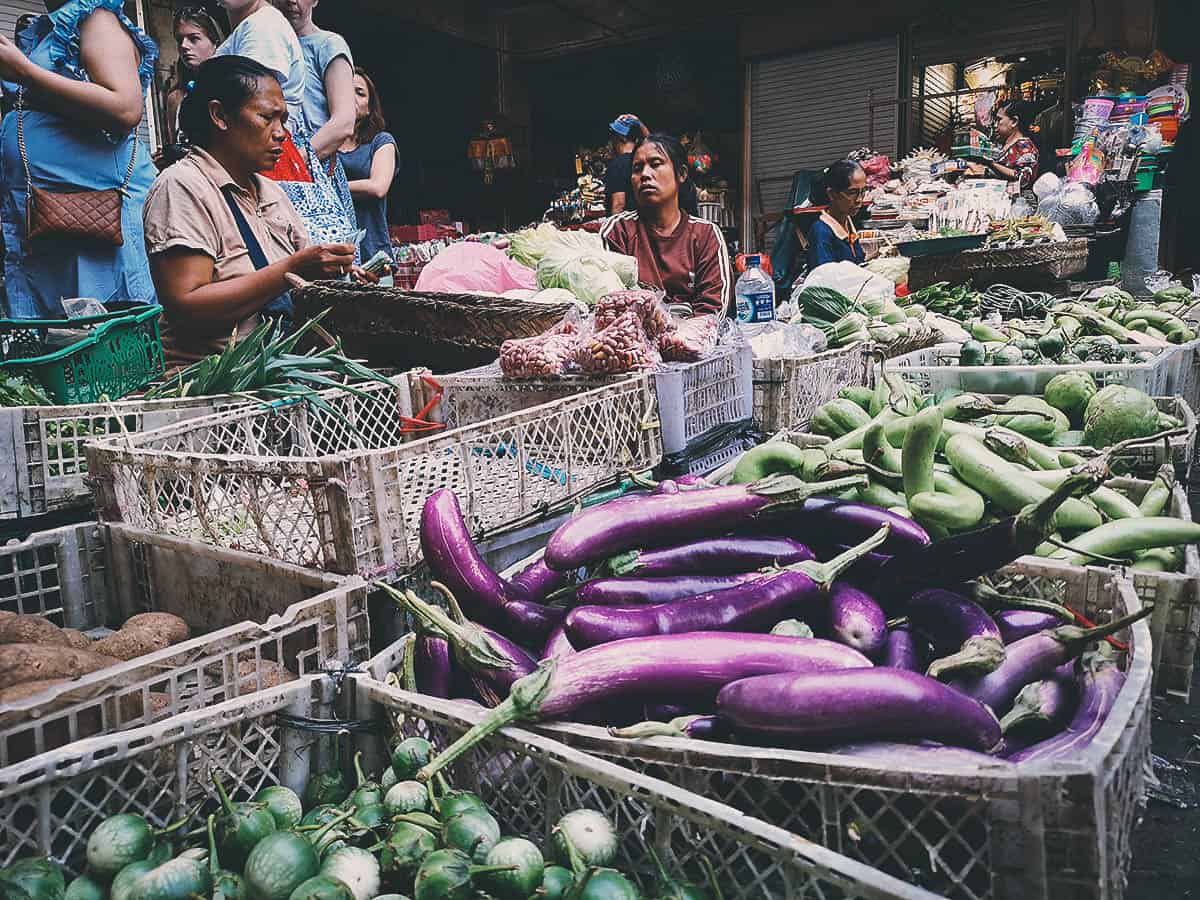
x=14, y=65
x=323, y=261
x=362, y=276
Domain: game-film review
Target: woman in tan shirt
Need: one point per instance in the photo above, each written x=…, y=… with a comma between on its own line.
x=222, y=238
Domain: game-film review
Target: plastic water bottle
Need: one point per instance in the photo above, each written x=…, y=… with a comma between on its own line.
x=755, y=293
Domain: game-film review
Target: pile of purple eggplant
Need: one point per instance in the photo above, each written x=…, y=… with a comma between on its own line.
x=690, y=610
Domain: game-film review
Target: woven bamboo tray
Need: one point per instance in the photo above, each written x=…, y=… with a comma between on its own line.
x=49, y=805
x=1030, y=268
x=360, y=312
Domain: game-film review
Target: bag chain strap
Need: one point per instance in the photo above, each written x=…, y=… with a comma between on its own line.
x=123, y=190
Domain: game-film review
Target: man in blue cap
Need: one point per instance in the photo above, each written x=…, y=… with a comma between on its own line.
x=623, y=135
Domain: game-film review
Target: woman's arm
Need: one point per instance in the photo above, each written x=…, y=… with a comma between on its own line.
x=383, y=172
x=183, y=278
x=112, y=97
x=339, y=93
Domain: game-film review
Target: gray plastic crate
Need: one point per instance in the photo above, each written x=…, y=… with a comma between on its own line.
x=43, y=468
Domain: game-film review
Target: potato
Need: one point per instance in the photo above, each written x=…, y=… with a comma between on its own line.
x=31, y=630
x=130, y=643
x=174, y=628
x=271, y=674
x=77, y=639
x=23, y=663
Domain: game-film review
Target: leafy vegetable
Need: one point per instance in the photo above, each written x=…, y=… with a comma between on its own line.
x=19, y=390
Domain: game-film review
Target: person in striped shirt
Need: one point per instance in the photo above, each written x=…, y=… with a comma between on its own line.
x=681, y=254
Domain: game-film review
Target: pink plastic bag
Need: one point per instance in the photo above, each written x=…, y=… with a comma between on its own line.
x=469, y=268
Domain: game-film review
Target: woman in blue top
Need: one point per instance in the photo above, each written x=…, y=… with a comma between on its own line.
x=369, y=157
x=82, y=71
x=833, y=237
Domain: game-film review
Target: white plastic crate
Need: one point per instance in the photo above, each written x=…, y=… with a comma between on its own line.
x=692, y=397
x=788, y=391
x=1042, y=831
x=936, y=368
x=342, y=491
x=48, y=806
x=248, y=616
x=43, y=468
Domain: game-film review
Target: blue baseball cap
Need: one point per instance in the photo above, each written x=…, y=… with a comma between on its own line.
x=624, y=126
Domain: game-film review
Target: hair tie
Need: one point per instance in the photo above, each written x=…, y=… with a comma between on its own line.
x=189, y=87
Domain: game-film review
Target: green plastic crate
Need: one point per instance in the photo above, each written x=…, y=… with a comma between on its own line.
x=122, y=354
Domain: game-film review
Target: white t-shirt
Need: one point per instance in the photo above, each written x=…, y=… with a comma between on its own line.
x=267, y=38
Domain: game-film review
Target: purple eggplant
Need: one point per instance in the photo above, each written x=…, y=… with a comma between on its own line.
x=855, y=705
x=712, y=556
x=659, y=520
x=700, y=728
x=904, y=650
x=432, y=666
x=491, y=660
x=647, y=591
x=1015, y=624
x=754, y=606
x=538, y=581
x=1036, y=657
x=695, y=666
x=454, y=560
x=1043, y=708
x=559, y=645
x=964, y=637
x=966, y=556
x=845, y=522
x=856, y=620
x=1100, y=682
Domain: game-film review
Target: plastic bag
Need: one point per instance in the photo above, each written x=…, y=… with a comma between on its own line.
x=1047, y=185
x=548, y=355
x=648, y=304
x=860, y=285
x=470, y=268
x=690, y=340
x=1071, y=204
x=779, y=340
x=621, y=347
x=589, y=274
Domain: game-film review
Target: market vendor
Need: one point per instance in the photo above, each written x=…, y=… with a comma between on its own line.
x=833, y=237
x=682, y=254
x=222, y=238
x=1018, y=157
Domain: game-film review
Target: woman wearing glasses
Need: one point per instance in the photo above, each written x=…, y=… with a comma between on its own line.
x=833, y=237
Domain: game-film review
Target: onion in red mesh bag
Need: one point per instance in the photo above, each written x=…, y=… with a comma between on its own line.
x=546, y=356
x=619, y=348
x=690, y=340
x=648, y=304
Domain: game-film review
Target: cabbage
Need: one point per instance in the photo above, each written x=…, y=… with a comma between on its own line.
x=588, y=274
x=532, y=246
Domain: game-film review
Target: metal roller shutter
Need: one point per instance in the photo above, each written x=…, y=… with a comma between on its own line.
x=810, y=109
x=11, y=10
x=976, y=32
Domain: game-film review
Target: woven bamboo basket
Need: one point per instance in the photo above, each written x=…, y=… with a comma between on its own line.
x=472, y=321
x=1031, y=268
